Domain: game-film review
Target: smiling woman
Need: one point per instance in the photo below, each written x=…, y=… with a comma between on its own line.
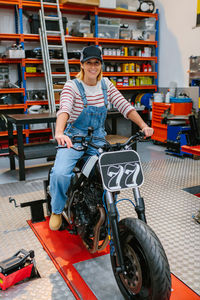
x=83, y=104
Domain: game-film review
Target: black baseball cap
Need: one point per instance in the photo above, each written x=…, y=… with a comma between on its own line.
x=91, y=52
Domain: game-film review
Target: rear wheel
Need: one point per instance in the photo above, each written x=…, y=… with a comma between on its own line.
x=147, y=274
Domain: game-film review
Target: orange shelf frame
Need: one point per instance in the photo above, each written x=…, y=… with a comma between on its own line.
x=129, y=58
x=10, y=61
x=11, y=106
x=12, y=91
x=125, y=14
x=141, y=87
x=9, y=36
x=154, y=74
x=5, y=133
x=126, y=42
x=39, y=102
x=8, y=2
x=40, y=61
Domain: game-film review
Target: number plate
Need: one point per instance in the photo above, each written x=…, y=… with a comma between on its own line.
x=120, y=170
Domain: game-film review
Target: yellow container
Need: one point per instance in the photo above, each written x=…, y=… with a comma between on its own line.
x=131, y=68
x=137, y=68
x=125, y=51
x=125, y=68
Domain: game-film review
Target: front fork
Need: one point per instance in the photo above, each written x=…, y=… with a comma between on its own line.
x=113, y=218
x=140, y=207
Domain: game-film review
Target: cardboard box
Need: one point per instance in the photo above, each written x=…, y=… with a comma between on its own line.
x=107, y=4
x=82, y=2
x=57, y=94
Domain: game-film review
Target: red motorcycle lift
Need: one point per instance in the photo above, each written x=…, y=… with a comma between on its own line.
x=66, y=250
x=16, y=268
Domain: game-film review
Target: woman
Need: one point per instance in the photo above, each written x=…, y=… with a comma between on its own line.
x=83, y=103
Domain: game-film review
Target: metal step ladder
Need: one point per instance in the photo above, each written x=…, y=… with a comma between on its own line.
x=46, y=48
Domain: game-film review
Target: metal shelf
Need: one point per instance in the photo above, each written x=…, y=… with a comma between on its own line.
x=10, y=61
x=154, y=74
x=11, y=106
x=12, y=91
x=141, y=87
x=9, y=36
x=129, y=58
x=127, y=42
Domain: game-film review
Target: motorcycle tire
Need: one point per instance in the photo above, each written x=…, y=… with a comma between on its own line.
x=147, y=269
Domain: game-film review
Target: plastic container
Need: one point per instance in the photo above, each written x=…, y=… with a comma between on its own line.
x=50, y=25
x=108, y=31
x=149, y=35
x=146, y=100
x=167, y=97
x=147, y=24
x=81, y=26
x=125, y=34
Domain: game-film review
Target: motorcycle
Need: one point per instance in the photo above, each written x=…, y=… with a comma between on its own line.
x=138, y=260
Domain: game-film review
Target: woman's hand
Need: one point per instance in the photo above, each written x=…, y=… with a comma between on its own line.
x=148, y=131
x=63, y=140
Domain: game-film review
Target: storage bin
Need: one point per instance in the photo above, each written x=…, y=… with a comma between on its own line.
x=82, y=2
x=107, y=4
x=81, y=27
x=108, y=31
x=125, y=34
x=50, y=25
x=109, y=21
x=147, y=24
x=149, y=35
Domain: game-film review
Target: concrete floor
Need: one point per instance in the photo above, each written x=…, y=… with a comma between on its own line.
x=169, y=210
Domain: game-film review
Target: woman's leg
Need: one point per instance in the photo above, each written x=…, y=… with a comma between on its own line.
x=60, y=177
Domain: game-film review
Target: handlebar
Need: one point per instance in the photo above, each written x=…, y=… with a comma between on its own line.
x=89, y=140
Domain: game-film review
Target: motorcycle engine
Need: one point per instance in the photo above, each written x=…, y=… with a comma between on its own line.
x=85, y=208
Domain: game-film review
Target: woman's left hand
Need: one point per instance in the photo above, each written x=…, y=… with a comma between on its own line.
x=148, y=131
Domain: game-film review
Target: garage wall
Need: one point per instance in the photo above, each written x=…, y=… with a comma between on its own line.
x=179, y=39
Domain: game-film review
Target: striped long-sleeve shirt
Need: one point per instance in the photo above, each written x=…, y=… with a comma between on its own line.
x=71, y=102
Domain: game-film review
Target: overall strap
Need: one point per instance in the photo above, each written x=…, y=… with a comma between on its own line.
x=82, y=91
x=104, y=89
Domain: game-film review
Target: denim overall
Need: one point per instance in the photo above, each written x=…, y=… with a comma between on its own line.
x=66, y=158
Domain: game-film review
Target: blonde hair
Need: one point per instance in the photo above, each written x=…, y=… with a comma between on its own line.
x=80, y=75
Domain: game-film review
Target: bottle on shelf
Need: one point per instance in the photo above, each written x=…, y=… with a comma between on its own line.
x=167, y=97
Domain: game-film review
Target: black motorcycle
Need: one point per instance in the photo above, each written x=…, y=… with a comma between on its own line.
x=138, y=259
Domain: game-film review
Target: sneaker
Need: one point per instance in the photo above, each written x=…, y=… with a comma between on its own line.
x=55, y=221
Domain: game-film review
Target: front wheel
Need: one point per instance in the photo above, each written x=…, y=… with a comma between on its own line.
x=147, y=275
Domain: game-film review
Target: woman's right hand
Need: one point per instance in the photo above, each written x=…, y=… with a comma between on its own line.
x=63, y=140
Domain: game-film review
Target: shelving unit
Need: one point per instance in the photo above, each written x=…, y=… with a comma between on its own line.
x=94, y=11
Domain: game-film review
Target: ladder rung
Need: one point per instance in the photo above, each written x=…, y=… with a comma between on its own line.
x=55, y=46
x=58, y=75
x=57, y=61
x=52, y=32
x=51, y=18
x=49, y=3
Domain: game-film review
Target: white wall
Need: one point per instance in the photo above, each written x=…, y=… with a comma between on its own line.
x=179, y=39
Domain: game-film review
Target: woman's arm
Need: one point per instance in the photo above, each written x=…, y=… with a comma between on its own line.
x=61, y=138
x=135, y=117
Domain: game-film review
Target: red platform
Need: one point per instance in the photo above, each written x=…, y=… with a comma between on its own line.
x=191, y=149
x=65, y=250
